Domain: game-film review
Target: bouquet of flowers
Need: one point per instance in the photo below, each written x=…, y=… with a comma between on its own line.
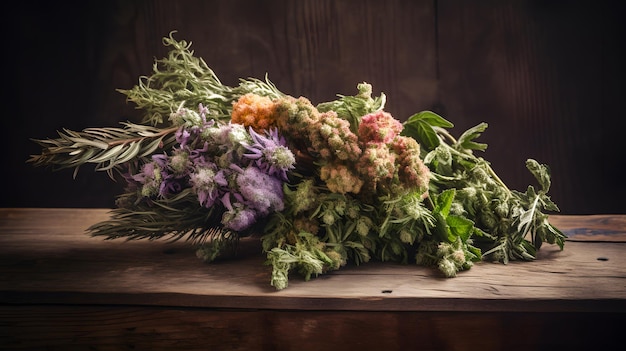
x=323, y=185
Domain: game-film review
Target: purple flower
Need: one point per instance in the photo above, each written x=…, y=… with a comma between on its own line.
x=205, y=183
x=270, y=153
x=150, y=179
x=174, y=171
x=237, y=216
x=191, y=124
x=261, y=191
x=182, y=136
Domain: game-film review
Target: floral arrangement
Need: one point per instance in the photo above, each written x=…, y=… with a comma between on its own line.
x=323, y=185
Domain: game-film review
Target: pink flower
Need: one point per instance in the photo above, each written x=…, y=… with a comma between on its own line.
x=412, y=171
x=377, y=162
x=379, y=127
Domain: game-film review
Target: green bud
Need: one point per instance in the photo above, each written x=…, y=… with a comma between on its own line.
x=447, y=267
x=406, y=237
x=502, y=209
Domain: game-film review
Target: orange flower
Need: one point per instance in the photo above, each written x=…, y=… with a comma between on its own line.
x=254, y=111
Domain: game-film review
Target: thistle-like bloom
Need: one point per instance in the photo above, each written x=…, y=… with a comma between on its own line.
x=150, y=179
x=270, y=153
x=237, y=216
x=186, y=117
x=261, y=191
x=205, y=182
x=191, y=124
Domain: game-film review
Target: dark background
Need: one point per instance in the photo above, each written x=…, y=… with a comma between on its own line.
x=546, y=75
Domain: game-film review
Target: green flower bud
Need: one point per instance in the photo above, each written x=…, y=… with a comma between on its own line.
x=363, y=226
x=447, y=267
x=406, y=237
x=502, y=209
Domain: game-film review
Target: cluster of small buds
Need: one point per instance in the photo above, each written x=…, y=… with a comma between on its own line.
x=389, y=159
x=412, y=172
x=256, y=111
x=331, y=137
x=379, y=127
x=327, y=138
x=364, y=225
x=452, y=258
x=304, y=197
x=377, y=163
x=340, y=179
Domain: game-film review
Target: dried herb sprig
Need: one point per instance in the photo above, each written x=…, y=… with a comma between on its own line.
x=183, y=78
x=106, y=148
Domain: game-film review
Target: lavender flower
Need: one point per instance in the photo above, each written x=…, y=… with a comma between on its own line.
x=261, y=191
x=270, y=153
x=150, y=179
x=191, y=124
x=174, y=170
x=205, y=182
x=237, y=216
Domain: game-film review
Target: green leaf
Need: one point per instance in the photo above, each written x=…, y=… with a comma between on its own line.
x=442, y=228
x=420, y=127
x=476, y=252
x=460, y=226
x=541, y=172
x=527, y=217
x=444, y=201
x=423, y=133
x=552, y=235
x=548, y=204
x=431, y=118
x=466, y=139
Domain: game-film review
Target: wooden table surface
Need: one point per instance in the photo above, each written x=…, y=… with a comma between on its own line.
x=61, y=288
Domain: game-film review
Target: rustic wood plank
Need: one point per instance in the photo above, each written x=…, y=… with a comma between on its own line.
x=607, y=228
x=52, y=260
x=153, y=328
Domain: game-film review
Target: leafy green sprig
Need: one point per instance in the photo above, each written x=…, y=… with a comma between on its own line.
x=506, y=224
x=352, y=108
x=183, y=78
x=173, y=217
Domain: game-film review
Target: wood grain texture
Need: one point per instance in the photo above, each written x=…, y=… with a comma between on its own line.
x=63, y=290
x=549, y=87
x=130, y=328
x=52, y=260
x=545, y=85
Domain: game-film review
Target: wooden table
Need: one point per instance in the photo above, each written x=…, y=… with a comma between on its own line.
x=61, y=289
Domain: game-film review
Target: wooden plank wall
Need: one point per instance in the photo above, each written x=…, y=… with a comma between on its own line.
x=545, y=75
